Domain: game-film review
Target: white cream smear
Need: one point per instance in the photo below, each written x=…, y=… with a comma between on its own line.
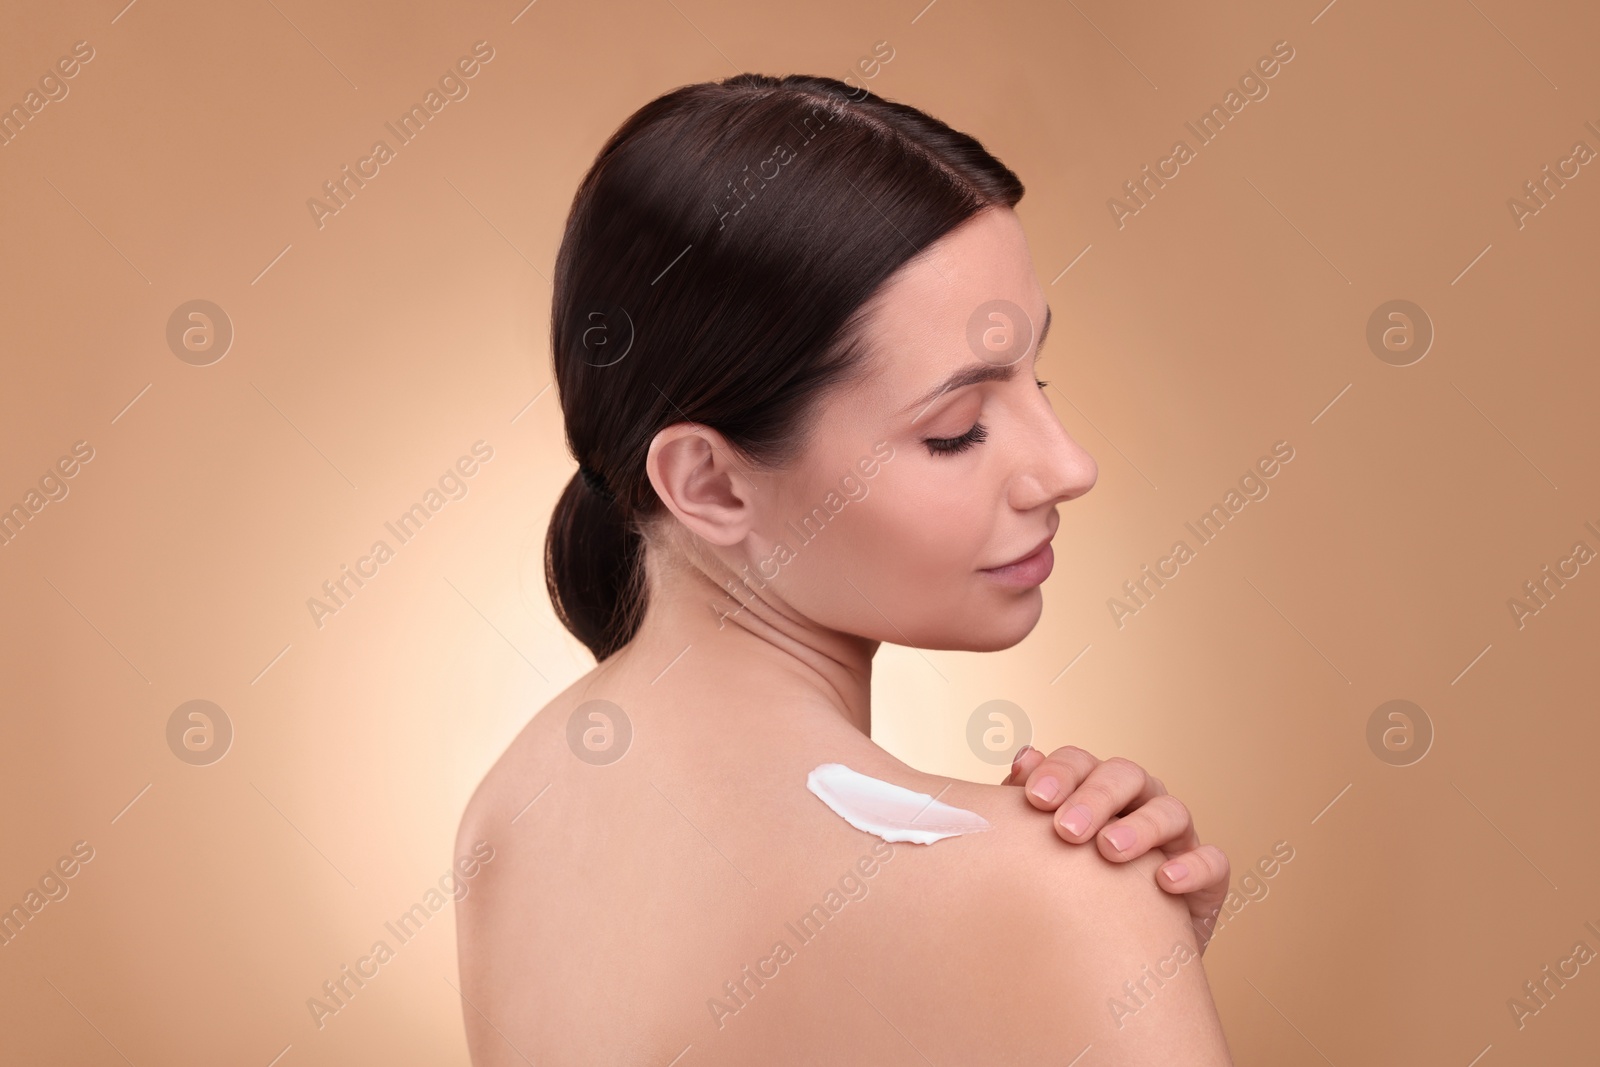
x=893, y=812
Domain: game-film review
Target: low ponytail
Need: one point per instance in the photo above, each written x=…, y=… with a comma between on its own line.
x=594, y=568
x=716, y=268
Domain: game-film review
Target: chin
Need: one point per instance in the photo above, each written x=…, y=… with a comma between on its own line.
x=995, y=629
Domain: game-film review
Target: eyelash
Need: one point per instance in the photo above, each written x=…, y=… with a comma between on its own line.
x=949, y=446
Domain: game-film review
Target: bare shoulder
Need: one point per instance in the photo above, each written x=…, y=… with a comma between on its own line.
x=512, y=771
x=998, y=946
x=509, y=811
x=501, y=825
x=1050, y=948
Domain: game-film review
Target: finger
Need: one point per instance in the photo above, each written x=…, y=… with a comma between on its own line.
x=1054, y=778
x=1203, y=867
x=1205, y=903
x=1163, y=820
x=1026, y=759
x=1113, y=787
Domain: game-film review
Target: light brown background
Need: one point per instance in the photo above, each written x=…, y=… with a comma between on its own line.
x=1225, y=316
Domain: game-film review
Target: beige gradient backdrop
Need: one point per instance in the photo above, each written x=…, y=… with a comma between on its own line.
x=371, y=352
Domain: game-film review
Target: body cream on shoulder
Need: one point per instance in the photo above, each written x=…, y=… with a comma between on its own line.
x=893, y=812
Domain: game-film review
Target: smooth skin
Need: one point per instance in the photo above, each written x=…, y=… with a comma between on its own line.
x=1085, y=793
x=681, y=898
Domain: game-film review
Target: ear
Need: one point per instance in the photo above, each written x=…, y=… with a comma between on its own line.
x=703, y=480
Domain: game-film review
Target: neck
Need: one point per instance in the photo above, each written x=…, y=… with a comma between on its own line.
x=693, y=624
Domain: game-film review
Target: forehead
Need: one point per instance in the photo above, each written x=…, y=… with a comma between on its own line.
x=920, y=319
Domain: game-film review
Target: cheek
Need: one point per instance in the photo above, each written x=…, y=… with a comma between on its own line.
x=918, y=528
x=920, y=552
x=907, y=554
x=921, y=531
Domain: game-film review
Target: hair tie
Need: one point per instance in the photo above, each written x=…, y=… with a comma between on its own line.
x=595, y=482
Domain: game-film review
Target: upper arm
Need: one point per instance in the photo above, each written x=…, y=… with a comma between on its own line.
x=1122, y=955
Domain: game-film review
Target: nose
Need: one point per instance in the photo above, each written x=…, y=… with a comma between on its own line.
x=1055, y=467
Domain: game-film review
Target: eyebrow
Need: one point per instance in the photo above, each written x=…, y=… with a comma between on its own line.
x=973, y=374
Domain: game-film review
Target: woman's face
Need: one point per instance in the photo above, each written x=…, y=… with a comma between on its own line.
x=945, y=463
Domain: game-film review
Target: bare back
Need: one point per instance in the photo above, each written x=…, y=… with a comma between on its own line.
x=693, y=899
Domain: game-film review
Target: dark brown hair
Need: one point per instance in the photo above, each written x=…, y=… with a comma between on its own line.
x=714, y=269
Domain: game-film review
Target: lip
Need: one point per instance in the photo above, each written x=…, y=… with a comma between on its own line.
x=1027, y=570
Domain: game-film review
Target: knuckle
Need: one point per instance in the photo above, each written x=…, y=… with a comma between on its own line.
x=1168, y=819
x=1218, y=860
x=1073, y=758
x=1174, y=809
x=1096, y=797
x=1203, y=863
x=1141, y=824
x=1072, y=766
x=1124, y=769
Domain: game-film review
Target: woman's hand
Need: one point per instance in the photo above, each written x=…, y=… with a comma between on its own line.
x=1132, y=813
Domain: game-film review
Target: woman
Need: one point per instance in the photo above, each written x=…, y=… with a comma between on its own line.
x=795, y=329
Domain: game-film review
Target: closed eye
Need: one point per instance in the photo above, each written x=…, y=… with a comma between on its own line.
x=949, y=446
x=945, y=446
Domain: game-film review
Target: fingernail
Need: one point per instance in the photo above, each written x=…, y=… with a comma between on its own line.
x=1046, y=789
x=1176, y=871
x=1020, y=753
x=1077, y=819
x=1121, y=837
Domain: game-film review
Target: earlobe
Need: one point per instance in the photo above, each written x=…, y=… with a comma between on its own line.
x=702, y=480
